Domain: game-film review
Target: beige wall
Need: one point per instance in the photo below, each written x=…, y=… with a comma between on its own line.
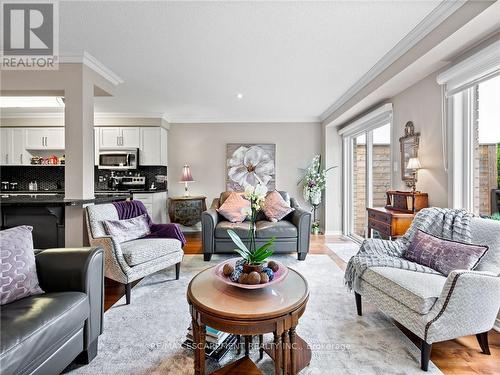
x=203, y=147
x=421, y=103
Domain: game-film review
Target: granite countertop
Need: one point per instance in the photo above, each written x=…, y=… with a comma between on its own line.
x=130, y=191
x=56, y=199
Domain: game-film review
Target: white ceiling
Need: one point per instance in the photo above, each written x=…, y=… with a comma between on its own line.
x=188, y=60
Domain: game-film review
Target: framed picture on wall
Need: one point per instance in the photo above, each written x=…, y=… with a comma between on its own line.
x=249, y=163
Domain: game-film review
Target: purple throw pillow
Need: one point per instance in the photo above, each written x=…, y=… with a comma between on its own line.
x=17, y=265
x=128, y=229
x=443, y=255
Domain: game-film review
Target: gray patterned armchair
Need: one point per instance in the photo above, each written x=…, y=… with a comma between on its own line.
x=131, y=260
x=292, y=233
x=438, y=308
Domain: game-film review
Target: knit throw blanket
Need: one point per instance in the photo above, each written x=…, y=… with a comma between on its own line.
x=446, y=223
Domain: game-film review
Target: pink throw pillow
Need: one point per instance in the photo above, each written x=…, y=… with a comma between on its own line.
x=275, y=207
x=234, y=208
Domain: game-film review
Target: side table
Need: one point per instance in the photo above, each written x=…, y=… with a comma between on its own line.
x=186, y=210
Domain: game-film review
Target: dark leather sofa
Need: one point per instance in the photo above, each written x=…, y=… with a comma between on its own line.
x=43, y=334
x=292, y=233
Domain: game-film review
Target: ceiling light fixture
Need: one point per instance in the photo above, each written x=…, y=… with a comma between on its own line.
x=239, y=95
x=31, y=102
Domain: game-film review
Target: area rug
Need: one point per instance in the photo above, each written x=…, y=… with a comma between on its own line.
x=344, y=250
x=145, y=337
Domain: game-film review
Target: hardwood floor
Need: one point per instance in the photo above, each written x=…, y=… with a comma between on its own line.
x=455, y=357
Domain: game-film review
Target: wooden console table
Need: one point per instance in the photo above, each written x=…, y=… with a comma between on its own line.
x=389, y=223
x=186, y=210
x=275, y=309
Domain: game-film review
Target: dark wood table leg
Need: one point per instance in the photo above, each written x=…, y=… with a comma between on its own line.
x=293, y=359
x=261, y=346
x=248, y=340
x=238, y=344
x=286, y=351
x=277, y=353
x=199, y=351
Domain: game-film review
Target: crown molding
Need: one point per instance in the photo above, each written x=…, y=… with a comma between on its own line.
x=445, y=9
x=229, y=120
x=87, y=59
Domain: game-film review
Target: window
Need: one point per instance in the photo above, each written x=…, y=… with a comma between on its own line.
x=472, y=130
x=367, y=168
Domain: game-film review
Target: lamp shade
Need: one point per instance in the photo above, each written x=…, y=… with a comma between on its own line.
x=413, y=163
x=186, y=174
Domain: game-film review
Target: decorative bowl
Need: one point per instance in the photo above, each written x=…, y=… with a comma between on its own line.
x=278, y=275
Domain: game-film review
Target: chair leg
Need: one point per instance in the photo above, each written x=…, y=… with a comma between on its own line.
x=128, y=290
x=358, y=303
x=425, y=355
x=302, y=256
x=177, y=270
x=89, y=354
x=207, y=257
x=482, y=339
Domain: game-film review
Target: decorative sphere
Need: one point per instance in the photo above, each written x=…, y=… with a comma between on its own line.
x=264, y=278
x=240, y=262
x=273, y=265
x=227, y=269
x=253, y=278
x=235, y=275
x=269, y=272
x=243, y=278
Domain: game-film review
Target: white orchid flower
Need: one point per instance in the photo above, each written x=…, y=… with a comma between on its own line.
x=250, y=166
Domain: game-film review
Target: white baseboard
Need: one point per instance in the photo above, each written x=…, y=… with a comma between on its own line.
x=333, y=233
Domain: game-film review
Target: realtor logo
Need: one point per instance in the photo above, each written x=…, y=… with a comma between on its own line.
x=29, y=35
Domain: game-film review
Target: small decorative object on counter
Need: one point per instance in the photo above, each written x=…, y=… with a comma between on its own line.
x=314, y=183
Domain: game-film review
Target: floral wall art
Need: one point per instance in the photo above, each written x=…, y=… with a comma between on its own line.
x=250, y=164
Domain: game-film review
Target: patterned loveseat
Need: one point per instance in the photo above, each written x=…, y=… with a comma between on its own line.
x=131, y=260
x=438, y=308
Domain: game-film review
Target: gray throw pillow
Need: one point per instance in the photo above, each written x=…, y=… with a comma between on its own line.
x=128, y=229
x=17, y=265
x=443, y=255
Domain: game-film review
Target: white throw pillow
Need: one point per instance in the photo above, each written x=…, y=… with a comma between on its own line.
x=128, y=229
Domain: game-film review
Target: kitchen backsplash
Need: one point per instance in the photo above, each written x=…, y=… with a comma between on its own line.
x=52, y=177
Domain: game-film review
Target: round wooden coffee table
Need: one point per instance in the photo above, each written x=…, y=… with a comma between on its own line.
x=275, y=309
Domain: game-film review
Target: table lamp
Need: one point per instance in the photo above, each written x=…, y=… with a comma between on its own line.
x=186, y=178
x=414, y=165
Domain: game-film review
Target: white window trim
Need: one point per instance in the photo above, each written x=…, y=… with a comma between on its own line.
x=458, y=81
x=373, y=120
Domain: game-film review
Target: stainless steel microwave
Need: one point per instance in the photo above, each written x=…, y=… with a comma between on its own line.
x=119, y=159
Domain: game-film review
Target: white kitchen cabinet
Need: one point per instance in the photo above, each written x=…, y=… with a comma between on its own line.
x=96, y=146
x=119, y=138
x=156, y=205
x=153, y=149
x=13, y=150
x=44, y=139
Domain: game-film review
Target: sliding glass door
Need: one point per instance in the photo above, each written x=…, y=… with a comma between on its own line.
x=367, y=176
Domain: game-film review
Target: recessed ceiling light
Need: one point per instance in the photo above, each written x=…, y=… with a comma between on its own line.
x=31, y=102
x=239, y=95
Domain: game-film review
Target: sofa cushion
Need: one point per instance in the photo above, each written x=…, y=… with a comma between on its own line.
x=36, y=326
x=275, y=207
x=416, y=290
x=17, y=264
x=487, y=232
x=241, y=229
x=128, y=229
x=145, y=249
x=443, y=255
x=280, y=229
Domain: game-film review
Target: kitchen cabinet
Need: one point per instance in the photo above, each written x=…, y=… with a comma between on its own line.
x=156, y=205
x=117, y=138
x=153, y=149
x=13, y=150
x=96, y=146
x=44, y=139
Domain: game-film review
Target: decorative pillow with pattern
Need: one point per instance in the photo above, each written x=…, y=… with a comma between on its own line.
x=443, y=255
x=17, y=265
x=275, y=207
x=235, y=208
x=128, y=229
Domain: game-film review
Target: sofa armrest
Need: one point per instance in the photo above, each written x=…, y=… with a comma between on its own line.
x=302, y=220
x=467, y=305
x=79, y=270
x=209, y=220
